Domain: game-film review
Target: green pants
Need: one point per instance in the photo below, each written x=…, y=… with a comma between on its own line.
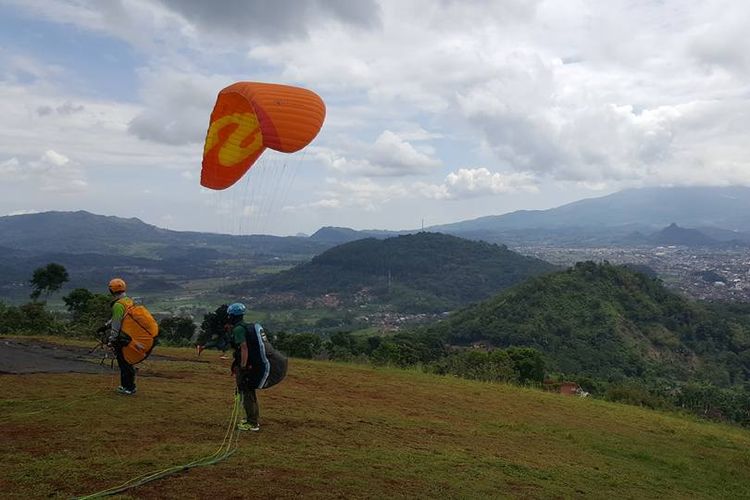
x=249, y=401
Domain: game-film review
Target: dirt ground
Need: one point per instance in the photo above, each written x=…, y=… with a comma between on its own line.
x=19, y=356
x=35, y=356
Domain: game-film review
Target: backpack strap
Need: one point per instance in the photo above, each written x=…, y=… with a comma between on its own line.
x=257, y=333
x=123, y=301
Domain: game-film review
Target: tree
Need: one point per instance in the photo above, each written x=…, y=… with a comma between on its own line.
x=48, y=279
x=88, y=310
x=31, y=318
x=176, y=329
x=300, y=345
x=77, y=302
x=528, y=362
x=213, y=324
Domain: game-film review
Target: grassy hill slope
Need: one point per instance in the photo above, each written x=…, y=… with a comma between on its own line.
x=343, y=431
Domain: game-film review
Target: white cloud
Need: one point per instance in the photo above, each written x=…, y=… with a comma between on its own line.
x=52, y=172
x=475, y=182
x=142, y=23
x=372, y=195
x=363, y=194
x=95, y=133
x=720, y=41
x=324, y=204
x=176, y=108
x=589, y=95
x=388, y=156
x=395, y=154
x=9, y=168
x=573, y=97
x=18, y=67
x=68, y=108
x=249, y=210
x=55, y=158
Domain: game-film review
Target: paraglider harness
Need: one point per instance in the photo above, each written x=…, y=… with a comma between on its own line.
x=139, y=317
x=274, y=364
x=107, y=349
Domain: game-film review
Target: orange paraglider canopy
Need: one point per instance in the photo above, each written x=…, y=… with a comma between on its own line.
x=249, y=117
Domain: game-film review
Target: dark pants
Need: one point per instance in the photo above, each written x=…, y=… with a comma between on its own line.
x=127, y=371
x=249, y=401
x=220, y=343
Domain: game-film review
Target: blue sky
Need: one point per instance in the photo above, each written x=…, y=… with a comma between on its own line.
x=436, y=110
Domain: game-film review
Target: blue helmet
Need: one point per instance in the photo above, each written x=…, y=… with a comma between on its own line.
x=236, y=309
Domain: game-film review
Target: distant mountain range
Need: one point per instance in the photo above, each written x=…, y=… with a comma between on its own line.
x=721, y=214
x=82, y=232
x=95, y=246
x=723, y=207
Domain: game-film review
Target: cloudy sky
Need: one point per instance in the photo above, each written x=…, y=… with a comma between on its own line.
x=437, y=110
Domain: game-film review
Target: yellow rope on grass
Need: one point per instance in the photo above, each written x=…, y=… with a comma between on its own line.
x=228, y=447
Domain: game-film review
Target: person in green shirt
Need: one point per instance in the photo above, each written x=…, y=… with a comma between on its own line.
x=251, y=366
x=120, y=303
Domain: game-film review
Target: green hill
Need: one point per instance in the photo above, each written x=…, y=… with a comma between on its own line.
x=416, y=272
x=343, y=431
x=611, y=323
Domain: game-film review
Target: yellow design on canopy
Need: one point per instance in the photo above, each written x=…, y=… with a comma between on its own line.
x=249, y=117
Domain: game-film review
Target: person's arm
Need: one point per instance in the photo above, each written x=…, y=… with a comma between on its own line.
x=244, y=356
x=118, y=313
x=240, y=336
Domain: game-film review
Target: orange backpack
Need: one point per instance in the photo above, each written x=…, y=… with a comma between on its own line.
x=141, y=327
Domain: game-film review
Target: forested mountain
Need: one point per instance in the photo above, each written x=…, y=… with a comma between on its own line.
x=416, y=272
x=610, y=322
x=84, y=232
x=93, y=248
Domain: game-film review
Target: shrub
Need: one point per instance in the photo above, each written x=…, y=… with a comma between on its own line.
x=176, y=330
x=29, y=319
x=493, y=366
x=635, y=394
x=299, y=345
